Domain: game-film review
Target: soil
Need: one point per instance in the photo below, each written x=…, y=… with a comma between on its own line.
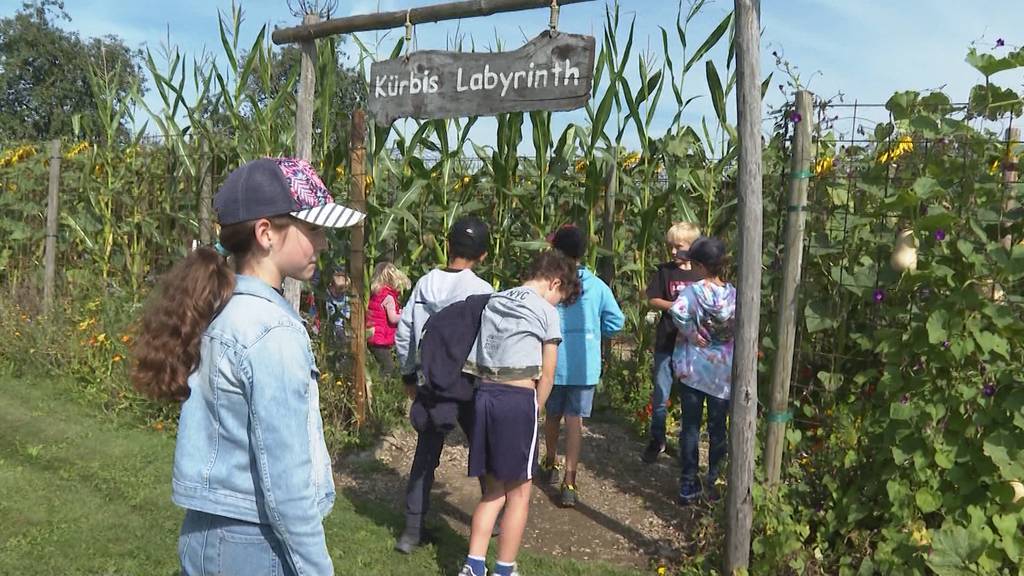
x=627, y=514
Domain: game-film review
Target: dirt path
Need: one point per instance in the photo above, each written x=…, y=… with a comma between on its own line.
x=627, y=514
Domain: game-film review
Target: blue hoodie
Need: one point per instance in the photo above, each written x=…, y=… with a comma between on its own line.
x=594, y=315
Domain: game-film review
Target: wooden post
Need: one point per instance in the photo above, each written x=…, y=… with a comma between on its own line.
x=739, y=500
x=304, y=128
x=1010, y=174
x=607, y=268
x=396, y=19
x=800, y=173
x=205, y=195
x=52, y=206
x=357, y=265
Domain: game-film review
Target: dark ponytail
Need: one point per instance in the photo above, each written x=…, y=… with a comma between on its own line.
x=184, y=303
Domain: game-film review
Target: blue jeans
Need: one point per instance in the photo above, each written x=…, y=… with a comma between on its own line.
x=663, y=379
x=211, y=545
x=689, y=435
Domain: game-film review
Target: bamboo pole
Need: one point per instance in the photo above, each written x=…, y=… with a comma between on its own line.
x=304, y=105
x=385, y=20
x=357, y=267
x=52, y=207
x=800, y=173
x=739, y=499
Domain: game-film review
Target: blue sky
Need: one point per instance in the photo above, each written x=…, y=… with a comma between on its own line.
x=865, y=49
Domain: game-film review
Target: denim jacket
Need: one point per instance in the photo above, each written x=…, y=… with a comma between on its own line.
x=250, y=438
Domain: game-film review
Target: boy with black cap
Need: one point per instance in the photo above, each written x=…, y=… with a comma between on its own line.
x=468, y=242
x=705, y=314
x=595, y=315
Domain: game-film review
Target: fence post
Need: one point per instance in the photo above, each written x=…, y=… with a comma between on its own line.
x=739, y=502
x=52, y=207
x=785, y=333
x=357, y=266
x=1010, y=173
x=304, y=128
x=205, y=195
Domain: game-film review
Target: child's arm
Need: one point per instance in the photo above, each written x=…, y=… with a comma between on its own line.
x=612, y=318
x=549, y=357
x=406, y=340
x=391, y=307
x=659, y=304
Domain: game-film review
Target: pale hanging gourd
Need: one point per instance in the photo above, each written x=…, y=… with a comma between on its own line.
x=904, y=252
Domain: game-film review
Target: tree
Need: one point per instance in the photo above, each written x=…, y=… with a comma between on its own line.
x=44, y=74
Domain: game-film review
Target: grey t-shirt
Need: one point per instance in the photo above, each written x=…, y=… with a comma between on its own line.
x=513, y=329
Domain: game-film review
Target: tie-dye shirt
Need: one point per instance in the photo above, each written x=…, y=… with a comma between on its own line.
x=708, y=310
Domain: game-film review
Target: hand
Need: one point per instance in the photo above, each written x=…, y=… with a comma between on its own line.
x=700, y=341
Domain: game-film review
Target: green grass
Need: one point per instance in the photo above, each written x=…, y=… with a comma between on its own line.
x=82, y=493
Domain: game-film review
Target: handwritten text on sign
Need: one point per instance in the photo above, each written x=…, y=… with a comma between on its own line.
x=548, y=73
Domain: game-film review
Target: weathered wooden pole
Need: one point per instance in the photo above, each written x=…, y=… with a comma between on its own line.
x=739, y=500
x=304, y=127
x=52, y=209
x=611, y=188
x=1010, y=174
x=398, y=18
x=785, y=332
x=357, y=265
x=205, y=194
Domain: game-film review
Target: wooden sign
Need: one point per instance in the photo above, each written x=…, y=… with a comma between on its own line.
x=551, y=72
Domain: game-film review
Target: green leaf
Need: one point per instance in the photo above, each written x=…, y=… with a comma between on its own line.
x=988, y=64
x=1001, y=448
x=954, y=549
x=936, y=325
x=817, y=317
x=830, y=380
x=927, y=500
x=715, y=86
x=709, y=43
x=990, y=342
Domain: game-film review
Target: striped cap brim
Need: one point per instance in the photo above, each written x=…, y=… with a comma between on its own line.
x=330, y=215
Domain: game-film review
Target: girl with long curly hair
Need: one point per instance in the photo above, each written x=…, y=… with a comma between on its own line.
x=251, y=468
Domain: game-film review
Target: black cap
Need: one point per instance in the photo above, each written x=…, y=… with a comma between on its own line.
x=570, y=240
x=469, y=238
x=706, y=250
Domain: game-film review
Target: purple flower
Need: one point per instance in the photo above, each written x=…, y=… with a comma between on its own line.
x=940, y=235
x=1000, y=43
x=879, y=296
x=946, y=344
x=905, y=399
x=795, y=117
x=989, y=390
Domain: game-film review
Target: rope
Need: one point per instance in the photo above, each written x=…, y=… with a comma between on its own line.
x=553, y=25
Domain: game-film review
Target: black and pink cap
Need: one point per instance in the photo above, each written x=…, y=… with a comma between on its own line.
x=277, y=186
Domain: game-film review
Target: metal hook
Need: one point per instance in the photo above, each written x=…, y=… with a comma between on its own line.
x=553, y=25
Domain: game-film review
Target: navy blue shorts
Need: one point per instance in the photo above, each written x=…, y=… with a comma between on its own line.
x=504, y=438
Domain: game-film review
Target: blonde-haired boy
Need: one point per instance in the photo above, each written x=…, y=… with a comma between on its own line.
x=664, y=285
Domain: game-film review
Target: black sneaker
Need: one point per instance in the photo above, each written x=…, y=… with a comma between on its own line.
x=569, y=497
x=688, y=494
x=652, y=451
x=547, y=473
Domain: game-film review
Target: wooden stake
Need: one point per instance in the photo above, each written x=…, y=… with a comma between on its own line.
x=52, y=207
x=385, y=20
x=800, y=174
x=607, y=268
x=739, y=500
x=304, y=128
x=205, y=195
x=357, y=266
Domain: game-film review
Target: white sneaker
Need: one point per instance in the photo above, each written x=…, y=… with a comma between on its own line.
x=467, y=570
